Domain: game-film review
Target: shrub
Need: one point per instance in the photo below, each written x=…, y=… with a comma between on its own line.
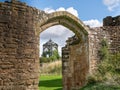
x=91, y=79
x=103, y=52
x=44, y=60
x=108, y=70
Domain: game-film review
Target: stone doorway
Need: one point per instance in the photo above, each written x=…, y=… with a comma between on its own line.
x=75, y=54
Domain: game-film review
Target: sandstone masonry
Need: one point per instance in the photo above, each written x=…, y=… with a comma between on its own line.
x=19, y=65
x=20, y=27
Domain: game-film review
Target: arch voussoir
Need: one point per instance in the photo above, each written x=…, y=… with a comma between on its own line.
x=56, y=18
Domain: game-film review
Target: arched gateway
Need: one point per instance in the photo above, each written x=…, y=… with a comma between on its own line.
x=20, y=27
x=75, y=56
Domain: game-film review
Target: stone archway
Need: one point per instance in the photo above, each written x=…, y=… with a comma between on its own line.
x=20, y=26
x=63, y=18
x=75, y=56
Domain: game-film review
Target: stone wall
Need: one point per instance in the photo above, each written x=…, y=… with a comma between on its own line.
x=112, y=26
x=96, y=35
x=114, y=38
x=19, y=51
x=75, y=63
x=111, y=21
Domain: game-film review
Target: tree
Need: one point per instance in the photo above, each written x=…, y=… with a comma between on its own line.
x=56, y=54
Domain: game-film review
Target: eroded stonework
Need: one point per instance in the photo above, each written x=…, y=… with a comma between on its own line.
x=75, y=64
x=20, y=27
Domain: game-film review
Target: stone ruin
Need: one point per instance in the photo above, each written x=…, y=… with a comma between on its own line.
x=111, y=21
x=49, y=47
x=20, y=27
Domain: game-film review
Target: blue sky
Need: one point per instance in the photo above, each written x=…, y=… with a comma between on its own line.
x=87, y=9
x=91, y=12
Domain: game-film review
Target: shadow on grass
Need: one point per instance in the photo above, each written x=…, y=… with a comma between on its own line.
x=51, y=83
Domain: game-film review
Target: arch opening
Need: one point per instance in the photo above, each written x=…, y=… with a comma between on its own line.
x=58, y=34
x=47, y=36
x=75, y=60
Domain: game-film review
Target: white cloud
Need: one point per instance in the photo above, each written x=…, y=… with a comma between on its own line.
x=49, y=10
x=60, y=9
x=70, y=10
x=93, y=23
x=112, y=4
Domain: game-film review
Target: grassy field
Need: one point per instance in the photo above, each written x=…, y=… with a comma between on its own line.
x=54, y=82
x=50, y=82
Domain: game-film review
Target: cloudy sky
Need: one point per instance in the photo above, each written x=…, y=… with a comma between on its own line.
x=91, y=12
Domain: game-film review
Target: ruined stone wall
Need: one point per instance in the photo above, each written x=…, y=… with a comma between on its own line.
x=114, y=38
x=111, y=32
x=112, y=26
x=71, y=64
x=111, y=21
x=96, y=35
x=19, y=51
x=75, y=63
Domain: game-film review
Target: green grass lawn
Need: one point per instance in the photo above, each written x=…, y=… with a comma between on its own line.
x=50, y=82
x=54, y=82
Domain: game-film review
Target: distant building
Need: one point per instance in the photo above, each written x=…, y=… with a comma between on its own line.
x=49, y=47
